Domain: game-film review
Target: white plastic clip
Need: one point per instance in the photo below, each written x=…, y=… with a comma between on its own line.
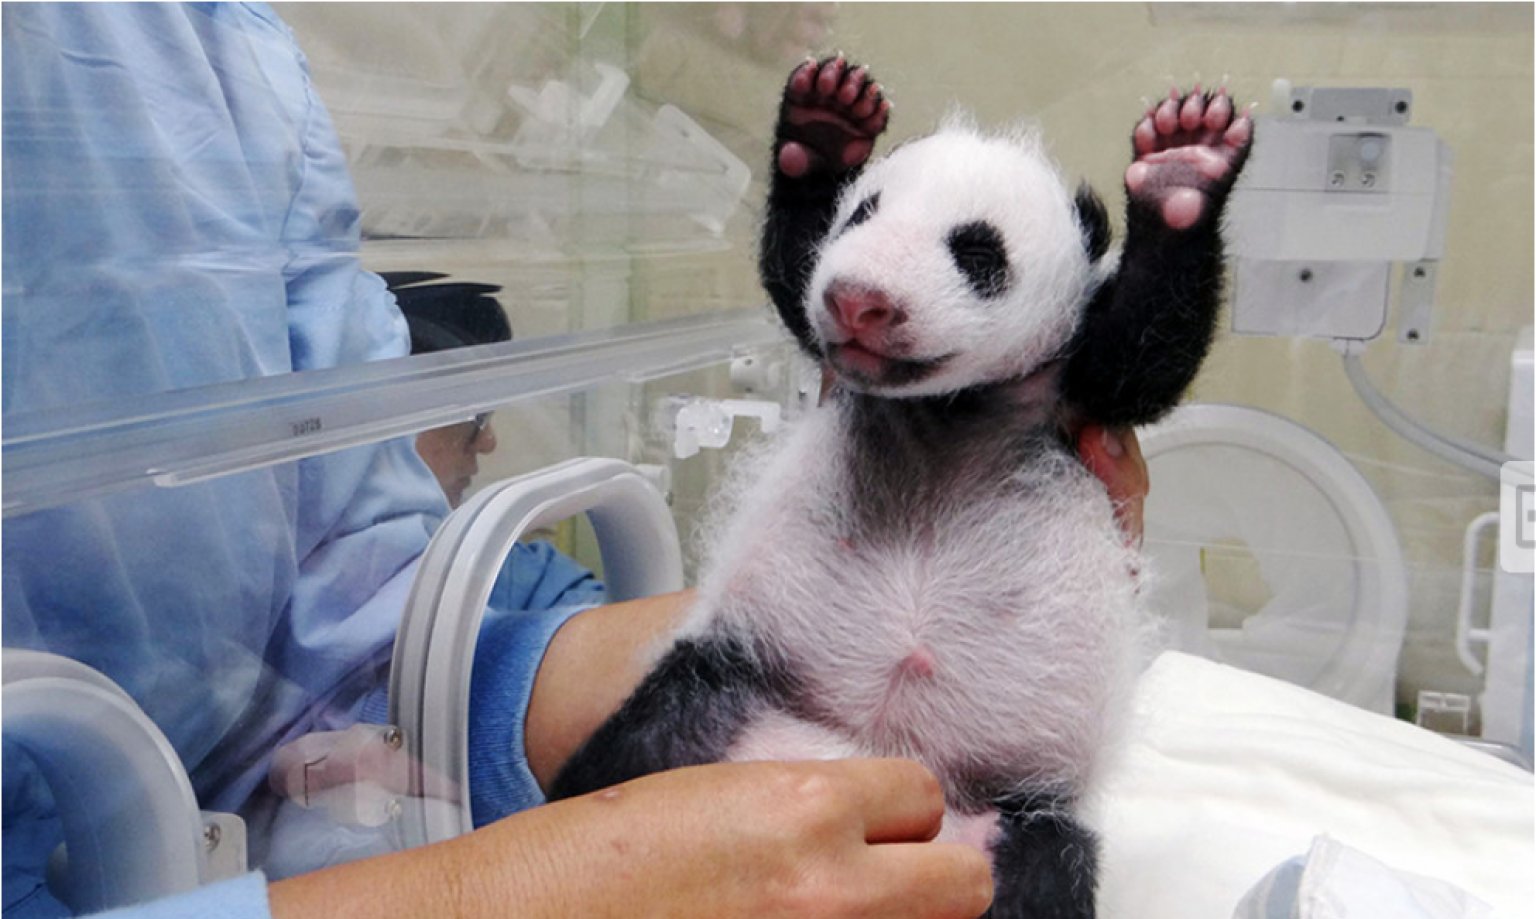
x=1445, y=712
x=708, y=423
x=356, y=776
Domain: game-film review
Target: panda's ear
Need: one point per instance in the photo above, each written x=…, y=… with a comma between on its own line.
x=1093, y=220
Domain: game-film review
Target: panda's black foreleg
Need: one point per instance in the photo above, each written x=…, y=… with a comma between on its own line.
x=1044, y=865
x=829, y=117
x=687, y=711
x=1146, y=332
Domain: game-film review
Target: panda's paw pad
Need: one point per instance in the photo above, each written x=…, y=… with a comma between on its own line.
x=832, y=113
x=1188, y=151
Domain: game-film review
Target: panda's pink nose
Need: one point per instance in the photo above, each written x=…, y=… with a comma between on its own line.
x=861, y=310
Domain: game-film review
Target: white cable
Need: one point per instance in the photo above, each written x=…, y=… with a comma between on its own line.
x=1476, y=458
x=1465, y=633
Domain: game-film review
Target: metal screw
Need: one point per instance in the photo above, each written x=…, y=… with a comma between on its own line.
x=1400, y=107
x=1420, y=273
x=393, y=738
x=1413, y=334
x=1298, y=105
x=1306, y=275
x=1368, y=180
x=212, y=836
x=1336, y=179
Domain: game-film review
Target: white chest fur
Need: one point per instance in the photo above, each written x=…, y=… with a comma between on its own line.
x=991, y=634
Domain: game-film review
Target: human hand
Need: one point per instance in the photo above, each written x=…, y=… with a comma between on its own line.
x=767, y=839
x=1114, y=456
x=834, y=838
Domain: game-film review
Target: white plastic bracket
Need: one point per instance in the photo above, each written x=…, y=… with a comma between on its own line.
x=224, y=846
x=430, y=673
x=1445, y=712
x=1416, y=299
x=1465, y=633
x=355, y=776
x=754, y=373
x=132, y=828
x=700, y=423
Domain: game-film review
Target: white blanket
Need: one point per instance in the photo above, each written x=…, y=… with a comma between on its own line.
x=1227, y=774
x=1333, y=881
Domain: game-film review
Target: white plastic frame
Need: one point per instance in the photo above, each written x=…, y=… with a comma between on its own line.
x=1383, y=585
x=430, y=675
x=131, y=822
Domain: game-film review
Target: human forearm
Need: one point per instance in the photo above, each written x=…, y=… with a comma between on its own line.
x=760, y=840
x=591, y=666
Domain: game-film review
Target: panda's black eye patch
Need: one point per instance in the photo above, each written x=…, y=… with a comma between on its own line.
x=863, y=212
x=980, y=255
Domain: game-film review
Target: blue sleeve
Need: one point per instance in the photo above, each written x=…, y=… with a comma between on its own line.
x=178, y=214
x=536, y=576
x=537, y=591
x=507, y=658
x=244, y=897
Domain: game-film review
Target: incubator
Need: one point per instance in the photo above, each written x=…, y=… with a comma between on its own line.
x=242, y=616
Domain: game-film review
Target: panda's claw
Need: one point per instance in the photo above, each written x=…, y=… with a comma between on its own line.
x=830, y=79
x=1240, y=133
x=853, y=87
x=868, y=101
x=1218, y=112
x=1144, y=138
x=801, y=81
x=1187, y=154
x=833, y=111
x=1166, y=119
x=1192, y=112
x=875, y=124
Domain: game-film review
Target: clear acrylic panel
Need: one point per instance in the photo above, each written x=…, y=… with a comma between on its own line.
x=265, y=324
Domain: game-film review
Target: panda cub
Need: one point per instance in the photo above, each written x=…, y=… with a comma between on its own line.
x=923, y=567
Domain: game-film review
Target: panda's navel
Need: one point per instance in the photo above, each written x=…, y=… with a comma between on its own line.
x=919, y=663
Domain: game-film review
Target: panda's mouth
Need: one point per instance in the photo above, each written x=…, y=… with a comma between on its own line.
x=868, y=367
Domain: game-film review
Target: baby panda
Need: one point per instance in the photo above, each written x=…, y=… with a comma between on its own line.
x=923, y=567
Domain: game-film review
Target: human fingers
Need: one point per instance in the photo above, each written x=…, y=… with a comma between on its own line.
x=928, y=880
x=896, y=800
x=1113, y=455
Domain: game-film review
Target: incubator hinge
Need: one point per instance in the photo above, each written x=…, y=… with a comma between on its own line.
x=692, y=424
x=357, y=776
x=224, y=847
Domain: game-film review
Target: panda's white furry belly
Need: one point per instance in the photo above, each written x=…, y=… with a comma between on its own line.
x=995, y=639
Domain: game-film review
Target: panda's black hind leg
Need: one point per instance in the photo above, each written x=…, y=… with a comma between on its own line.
x=686, y=712
x=1045, y=865
x=830, y=115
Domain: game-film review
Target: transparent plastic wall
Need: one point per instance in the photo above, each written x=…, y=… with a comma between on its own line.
x=600, y=163
x=219, y=455
x=597, y=170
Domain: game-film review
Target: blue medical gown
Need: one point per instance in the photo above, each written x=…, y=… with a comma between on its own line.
x=178, y=213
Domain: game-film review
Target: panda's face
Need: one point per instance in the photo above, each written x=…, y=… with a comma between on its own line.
x=957, y=260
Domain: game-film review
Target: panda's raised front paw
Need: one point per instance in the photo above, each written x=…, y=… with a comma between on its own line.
x=831, y=115
x=1188, y=153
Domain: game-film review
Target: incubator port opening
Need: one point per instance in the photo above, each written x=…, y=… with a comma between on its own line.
x=1234, y=583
